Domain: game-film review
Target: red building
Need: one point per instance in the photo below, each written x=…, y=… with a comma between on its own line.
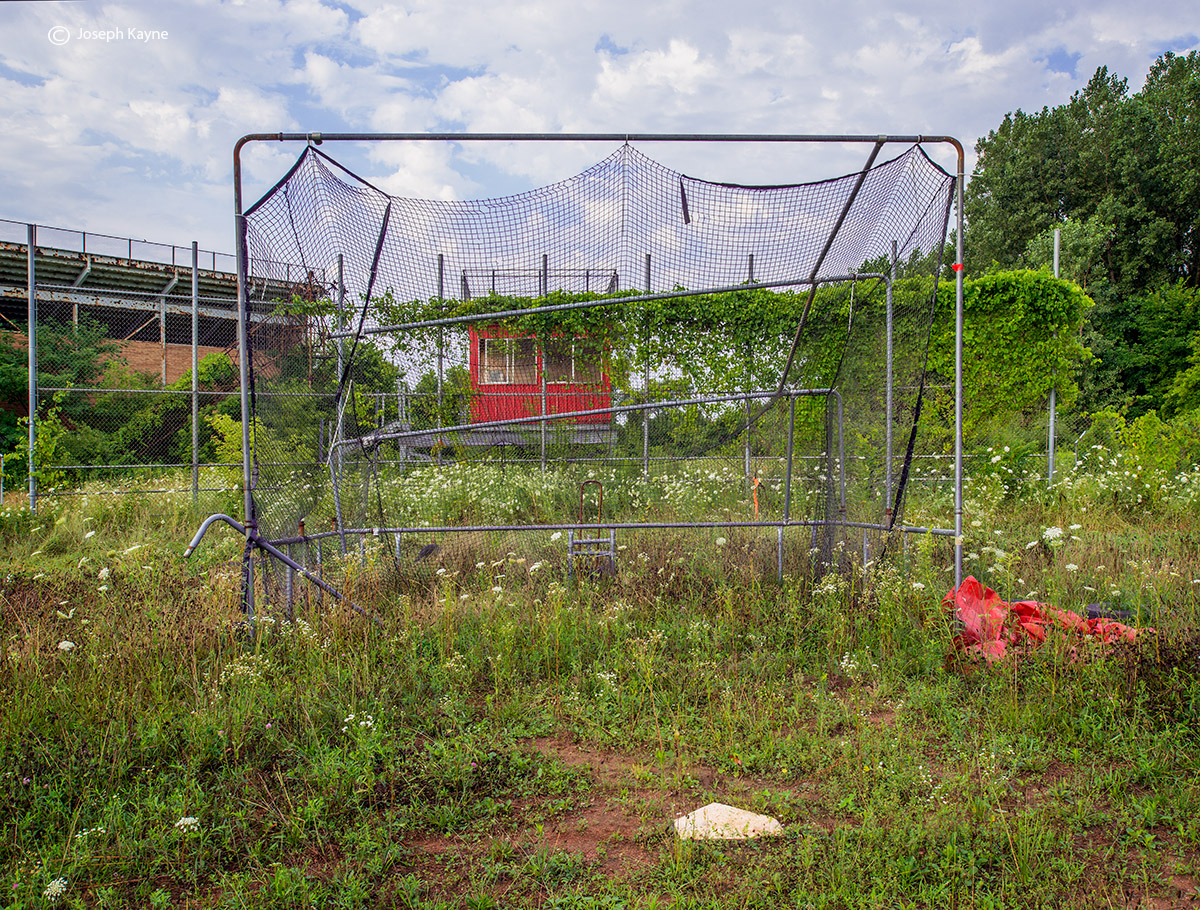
x=507, y=373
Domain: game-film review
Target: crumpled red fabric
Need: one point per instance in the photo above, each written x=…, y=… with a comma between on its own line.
x=990, y=625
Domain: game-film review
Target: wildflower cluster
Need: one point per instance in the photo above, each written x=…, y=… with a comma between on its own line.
x=354, y=722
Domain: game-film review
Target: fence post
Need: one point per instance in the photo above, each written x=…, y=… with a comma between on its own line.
x=887, y=500
x=646, y=389
x=244, y=353
x=336, y=470
x=32, y=335
x=441, y=351
x=195, y=371
x=749, y=376
x=1053, y=390
x=542, y=354
x=341, y=368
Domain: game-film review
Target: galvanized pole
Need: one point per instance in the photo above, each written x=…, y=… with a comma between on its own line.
x=32, y=333
x=791, y=442
x=341, y=360
x=887, y=500
x=787, y=487
x=958, y=369
x=244, y=379
x=544, y=403
x=1053, y=389
x=746, y=446
x=749, y=374
x=162, y=334
x=646, y=389
x=336, y=468
x=195, y=371
x=441, y=351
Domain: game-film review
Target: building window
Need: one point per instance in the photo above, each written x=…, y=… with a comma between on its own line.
x=568, y=361
x=505, y=361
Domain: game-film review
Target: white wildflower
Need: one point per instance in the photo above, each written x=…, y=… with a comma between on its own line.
x=66, y=646
x=55, y=889
x=188, y=823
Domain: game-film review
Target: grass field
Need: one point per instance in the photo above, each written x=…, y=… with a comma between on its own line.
x=508, y=739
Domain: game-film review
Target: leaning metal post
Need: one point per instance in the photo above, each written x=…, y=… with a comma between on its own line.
x=32, y=368
x=274, y=551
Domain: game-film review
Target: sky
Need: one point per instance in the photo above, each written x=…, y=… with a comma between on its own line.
x=121, y=118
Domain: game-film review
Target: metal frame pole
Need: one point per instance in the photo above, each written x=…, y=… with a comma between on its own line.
x=958, y=368
x=544, y=408
x=787, y=488
x=749, y=378
x=244, y=379
x=646, y=388
x=887, y=500
x=195, y=371
x=336, y=469
x=162, y=335
x=32, y=337
x=841, y=453
x=1053, y=388
x=441, y=351
x=787, y=483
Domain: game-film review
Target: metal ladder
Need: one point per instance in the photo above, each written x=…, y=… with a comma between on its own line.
x=601, y=549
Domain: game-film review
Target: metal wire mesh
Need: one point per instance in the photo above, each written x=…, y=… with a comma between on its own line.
x=460, y=419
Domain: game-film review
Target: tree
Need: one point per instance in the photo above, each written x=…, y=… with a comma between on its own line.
x=1120, y=175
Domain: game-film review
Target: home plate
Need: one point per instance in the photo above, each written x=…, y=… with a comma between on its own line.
x=716, y=821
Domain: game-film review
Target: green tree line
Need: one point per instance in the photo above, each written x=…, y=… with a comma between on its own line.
x=1118, y=173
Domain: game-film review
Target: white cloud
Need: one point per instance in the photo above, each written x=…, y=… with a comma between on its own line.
x=106, y=134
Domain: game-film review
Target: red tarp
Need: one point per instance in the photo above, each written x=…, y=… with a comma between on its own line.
x=990, y=624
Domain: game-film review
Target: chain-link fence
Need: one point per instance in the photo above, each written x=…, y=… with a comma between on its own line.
x=117, y=410
x=133, y=386
x=630, y=353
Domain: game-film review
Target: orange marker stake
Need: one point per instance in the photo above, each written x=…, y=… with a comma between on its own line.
x=754, y=488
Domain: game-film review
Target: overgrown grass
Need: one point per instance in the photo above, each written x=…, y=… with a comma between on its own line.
x=508, y=738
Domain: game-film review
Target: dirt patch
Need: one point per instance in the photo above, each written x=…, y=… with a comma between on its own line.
x=607, y=833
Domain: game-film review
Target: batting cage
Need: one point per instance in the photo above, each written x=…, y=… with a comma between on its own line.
x=628, y=364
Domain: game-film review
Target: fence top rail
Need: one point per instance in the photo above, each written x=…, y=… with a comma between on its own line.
x=605, y=301
x=612, y=525
x=317, y=138
x=380, y=436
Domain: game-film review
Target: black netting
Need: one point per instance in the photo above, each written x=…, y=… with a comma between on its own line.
x=678, y=405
